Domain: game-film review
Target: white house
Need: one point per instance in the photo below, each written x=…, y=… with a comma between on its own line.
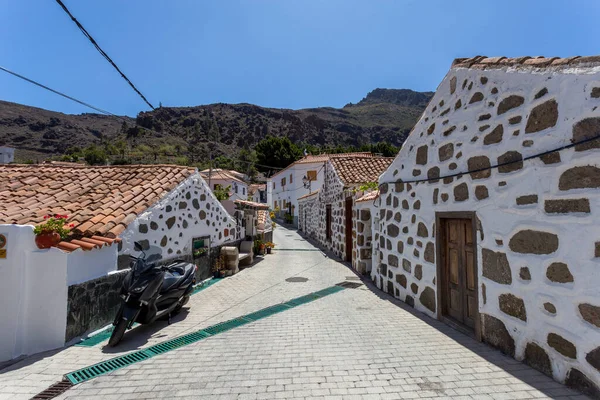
x=222, y=178
x=257, y=193
x=298, y=179
x=7, y=155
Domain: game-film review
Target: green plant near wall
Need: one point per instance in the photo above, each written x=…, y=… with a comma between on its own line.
x=367, y=187
x=222, y=194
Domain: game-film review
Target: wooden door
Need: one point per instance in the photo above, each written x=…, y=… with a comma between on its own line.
x=460, y=272
x=349, y=229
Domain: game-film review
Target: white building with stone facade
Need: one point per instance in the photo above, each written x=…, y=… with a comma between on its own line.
x=330, y=216
x=301, y=178
x=486, y=216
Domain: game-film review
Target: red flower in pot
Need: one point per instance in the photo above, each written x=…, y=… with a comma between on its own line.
x=52, y=231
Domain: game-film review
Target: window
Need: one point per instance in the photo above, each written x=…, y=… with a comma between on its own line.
x=273, y=185
x=291, y=178
x=236, y=188
x=244, y=191
x=311, y=175
x=282, y=181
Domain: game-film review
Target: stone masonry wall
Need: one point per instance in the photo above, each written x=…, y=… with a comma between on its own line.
x=538, y=242
x=363, y=242
x=308, y=215
x=188, y=211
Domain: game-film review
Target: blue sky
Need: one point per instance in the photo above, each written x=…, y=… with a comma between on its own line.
x=275, y=53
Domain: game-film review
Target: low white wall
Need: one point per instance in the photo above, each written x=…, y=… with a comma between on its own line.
x=34, y=286
x=33, y=292
x=83, y=266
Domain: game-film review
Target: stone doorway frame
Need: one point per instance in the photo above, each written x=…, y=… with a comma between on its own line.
x=440, y=260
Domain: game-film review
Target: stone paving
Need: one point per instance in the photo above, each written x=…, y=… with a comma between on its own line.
x=355, y=344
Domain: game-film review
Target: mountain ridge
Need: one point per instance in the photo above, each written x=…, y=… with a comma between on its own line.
x=382, y=115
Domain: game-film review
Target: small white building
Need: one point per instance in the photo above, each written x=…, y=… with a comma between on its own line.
x=222, y=178
x=302, y=177
x=7, y=155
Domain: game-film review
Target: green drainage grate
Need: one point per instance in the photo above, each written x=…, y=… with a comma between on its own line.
x=104, y=367
x=176, y=343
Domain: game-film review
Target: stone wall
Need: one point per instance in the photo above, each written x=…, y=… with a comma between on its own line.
x=538, y=244
x=308, y=215
x=93, y=304
x=363, y=242
x=190, y=210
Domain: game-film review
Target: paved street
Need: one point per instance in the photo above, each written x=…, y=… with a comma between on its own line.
x=354, y=344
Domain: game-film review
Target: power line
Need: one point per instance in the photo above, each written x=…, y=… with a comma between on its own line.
x=501, y=164
x=102, y=52
x=59, y=93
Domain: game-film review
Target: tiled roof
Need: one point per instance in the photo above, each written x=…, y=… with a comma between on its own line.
x=254, y=187
x=98, y=200
x=322, y=158
x=483, y=62
x=308, y=195
x=325, y=157
x=370, y=196
x=355, y=170
x=252, y=204
x=221, y=175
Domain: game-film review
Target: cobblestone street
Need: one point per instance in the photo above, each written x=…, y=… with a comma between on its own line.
x=354, y=344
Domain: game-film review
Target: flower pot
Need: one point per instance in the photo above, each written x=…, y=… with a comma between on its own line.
x=268, y=250
x=47, y=239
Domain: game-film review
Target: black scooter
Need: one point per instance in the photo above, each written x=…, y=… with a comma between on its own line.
x=152, y=292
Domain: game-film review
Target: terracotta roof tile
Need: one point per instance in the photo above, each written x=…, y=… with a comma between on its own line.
x=252, y=204
x=356, y=170
x=369, y=196
x=254, y=187
x=322, y=158
x=99, y=200
x=483, y=62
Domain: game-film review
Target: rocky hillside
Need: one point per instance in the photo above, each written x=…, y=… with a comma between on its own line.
x=383, y=115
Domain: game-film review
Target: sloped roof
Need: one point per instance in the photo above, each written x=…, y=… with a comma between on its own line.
x=483, y=62
x=98, y=200
x=308, y=195
x=323, y=158
x=252, y=204
x=221, y=175
x=370, y=196
x=356, y=170
x=254, y=187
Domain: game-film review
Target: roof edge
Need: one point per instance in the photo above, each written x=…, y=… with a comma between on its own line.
x=484, y=62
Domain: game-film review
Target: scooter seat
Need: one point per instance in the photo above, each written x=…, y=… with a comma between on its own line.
x=177, y=274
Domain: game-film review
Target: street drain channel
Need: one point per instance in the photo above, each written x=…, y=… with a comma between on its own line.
x=296, y=279
x=107, y=366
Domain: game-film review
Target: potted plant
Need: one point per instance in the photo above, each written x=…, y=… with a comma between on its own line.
x=200, y=252
x=259, y=247
x=219, y=267
x=52, y=231
x=269, y=246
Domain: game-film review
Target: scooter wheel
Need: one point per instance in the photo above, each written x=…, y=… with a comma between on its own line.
x=117, y=333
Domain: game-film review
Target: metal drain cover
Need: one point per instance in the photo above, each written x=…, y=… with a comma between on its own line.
x=296, y=279
x=55, y=390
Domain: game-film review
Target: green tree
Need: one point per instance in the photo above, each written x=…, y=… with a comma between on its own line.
x=247, y=160
x=276, y=152
x=94, y=155
x=222, y=193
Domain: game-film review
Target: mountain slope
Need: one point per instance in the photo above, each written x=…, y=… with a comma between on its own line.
x=383, y=115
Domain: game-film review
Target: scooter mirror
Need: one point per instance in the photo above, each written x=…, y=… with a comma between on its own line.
x=137, y=246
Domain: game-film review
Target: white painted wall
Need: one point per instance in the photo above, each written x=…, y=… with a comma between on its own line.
x=291, y=192
x=33, y=294
x=195, y=211
x=83, y=266
x=500, y=217
x=7, y=155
